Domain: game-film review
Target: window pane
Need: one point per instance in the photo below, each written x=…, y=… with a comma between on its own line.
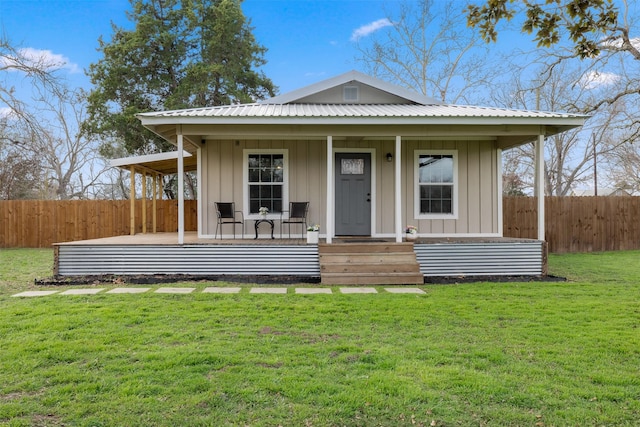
x=254, y=175
x=254, y=191
x=265, y=192
x=254, y=160
x=435, y=168
x=265, y=175
x=265, y=161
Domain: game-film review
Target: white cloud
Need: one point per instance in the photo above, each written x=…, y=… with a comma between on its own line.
x=5, y=112
x=44, y=59
x=617, y=43
x=595, y=79
x=368, y=29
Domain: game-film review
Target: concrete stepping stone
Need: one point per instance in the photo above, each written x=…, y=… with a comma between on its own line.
x=357, y=290
x=127, y=290
x=91, y=291
x=34, y=294
x=220, y=290
x=312, y=291
x=175, y=290
x=405, y=290
x=268, y=291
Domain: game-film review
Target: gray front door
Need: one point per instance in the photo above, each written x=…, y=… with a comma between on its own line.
x=353, y=194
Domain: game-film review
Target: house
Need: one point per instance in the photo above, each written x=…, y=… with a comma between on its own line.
x=371, y=158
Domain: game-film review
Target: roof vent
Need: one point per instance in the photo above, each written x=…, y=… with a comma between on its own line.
x=350, y=93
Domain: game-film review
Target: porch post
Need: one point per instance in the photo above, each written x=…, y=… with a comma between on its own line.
x=144, y=202
x=132, y=200
x=499, y=191
x=330, y=198
x=398, y=188
x=180, y=187
x=539, y=189
x=154, y=213
x=200, y=212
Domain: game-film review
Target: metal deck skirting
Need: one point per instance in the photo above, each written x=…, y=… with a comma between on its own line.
x=446, y=259
x=480, y=259
x=300, y=260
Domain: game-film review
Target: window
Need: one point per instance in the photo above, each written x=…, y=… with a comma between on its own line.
x=350, y=93
x=266, y=177
x=436, y=184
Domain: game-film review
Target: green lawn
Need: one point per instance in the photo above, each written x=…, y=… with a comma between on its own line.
x=514, y=354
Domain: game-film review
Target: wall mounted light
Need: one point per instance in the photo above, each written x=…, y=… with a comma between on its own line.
x=389, y=157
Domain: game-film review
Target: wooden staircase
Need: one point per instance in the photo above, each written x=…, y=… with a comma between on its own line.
x=386, y=263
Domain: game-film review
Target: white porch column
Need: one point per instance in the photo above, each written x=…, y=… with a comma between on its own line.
x=398, y=188
x=180, y=187
x=330, y=198
x=201, y=213
x=539, y=188
x=500, y=189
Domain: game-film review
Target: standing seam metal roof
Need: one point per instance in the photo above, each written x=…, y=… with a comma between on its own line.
x=353, y=111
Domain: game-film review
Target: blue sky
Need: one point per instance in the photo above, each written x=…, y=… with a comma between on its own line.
x=307, y=40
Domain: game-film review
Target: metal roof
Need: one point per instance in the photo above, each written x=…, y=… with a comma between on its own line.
x=163, y=163
x=262, y=110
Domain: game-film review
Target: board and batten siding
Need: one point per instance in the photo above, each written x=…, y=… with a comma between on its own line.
x=222, y=180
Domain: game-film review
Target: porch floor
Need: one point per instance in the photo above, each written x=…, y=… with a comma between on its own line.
x=191, y=238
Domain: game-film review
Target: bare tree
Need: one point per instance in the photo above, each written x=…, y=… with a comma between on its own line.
x=570, y=157
x=47, y=123
x=426, y=49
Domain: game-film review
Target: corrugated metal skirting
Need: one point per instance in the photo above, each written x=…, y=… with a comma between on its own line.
x=480, y=259
x=300, y=260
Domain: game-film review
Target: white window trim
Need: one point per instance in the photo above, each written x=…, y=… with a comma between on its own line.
x=245, y=181
x=416, y=180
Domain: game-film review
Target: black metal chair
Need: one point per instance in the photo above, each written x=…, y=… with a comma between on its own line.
x=226, y=213
x=297, y=215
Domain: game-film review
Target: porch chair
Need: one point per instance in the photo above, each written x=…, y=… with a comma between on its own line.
x=297, y=215
x=226, y=213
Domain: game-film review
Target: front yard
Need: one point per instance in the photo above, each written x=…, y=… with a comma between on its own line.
x=539, y=354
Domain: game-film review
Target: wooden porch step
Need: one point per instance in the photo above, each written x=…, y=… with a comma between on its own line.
x=369, y=264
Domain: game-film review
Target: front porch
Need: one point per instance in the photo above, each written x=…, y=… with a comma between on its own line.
x=161, y=254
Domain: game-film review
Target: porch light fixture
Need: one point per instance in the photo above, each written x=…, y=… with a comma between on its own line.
x=389, y=157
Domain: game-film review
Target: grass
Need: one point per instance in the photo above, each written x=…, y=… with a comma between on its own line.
x=496, y=354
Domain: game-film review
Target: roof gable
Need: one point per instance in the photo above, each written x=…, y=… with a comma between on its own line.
x=352, y=87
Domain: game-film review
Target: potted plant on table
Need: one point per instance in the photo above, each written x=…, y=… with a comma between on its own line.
x=263, y=211
x=313, y=233
x=411, y=232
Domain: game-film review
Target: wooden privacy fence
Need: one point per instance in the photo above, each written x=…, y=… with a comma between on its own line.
x=39, y=223
x=577, y=224
x=573, y=224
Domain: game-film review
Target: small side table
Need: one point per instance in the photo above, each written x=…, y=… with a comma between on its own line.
x=260, y=221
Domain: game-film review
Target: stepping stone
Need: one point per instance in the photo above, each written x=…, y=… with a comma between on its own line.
x=128, y=290
x=311, y=291
x=405, y=290
x=356, y=290
x=175, y=290
x=91, y=291
x=34, y=294
x=268, y=291
x=216, y=290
